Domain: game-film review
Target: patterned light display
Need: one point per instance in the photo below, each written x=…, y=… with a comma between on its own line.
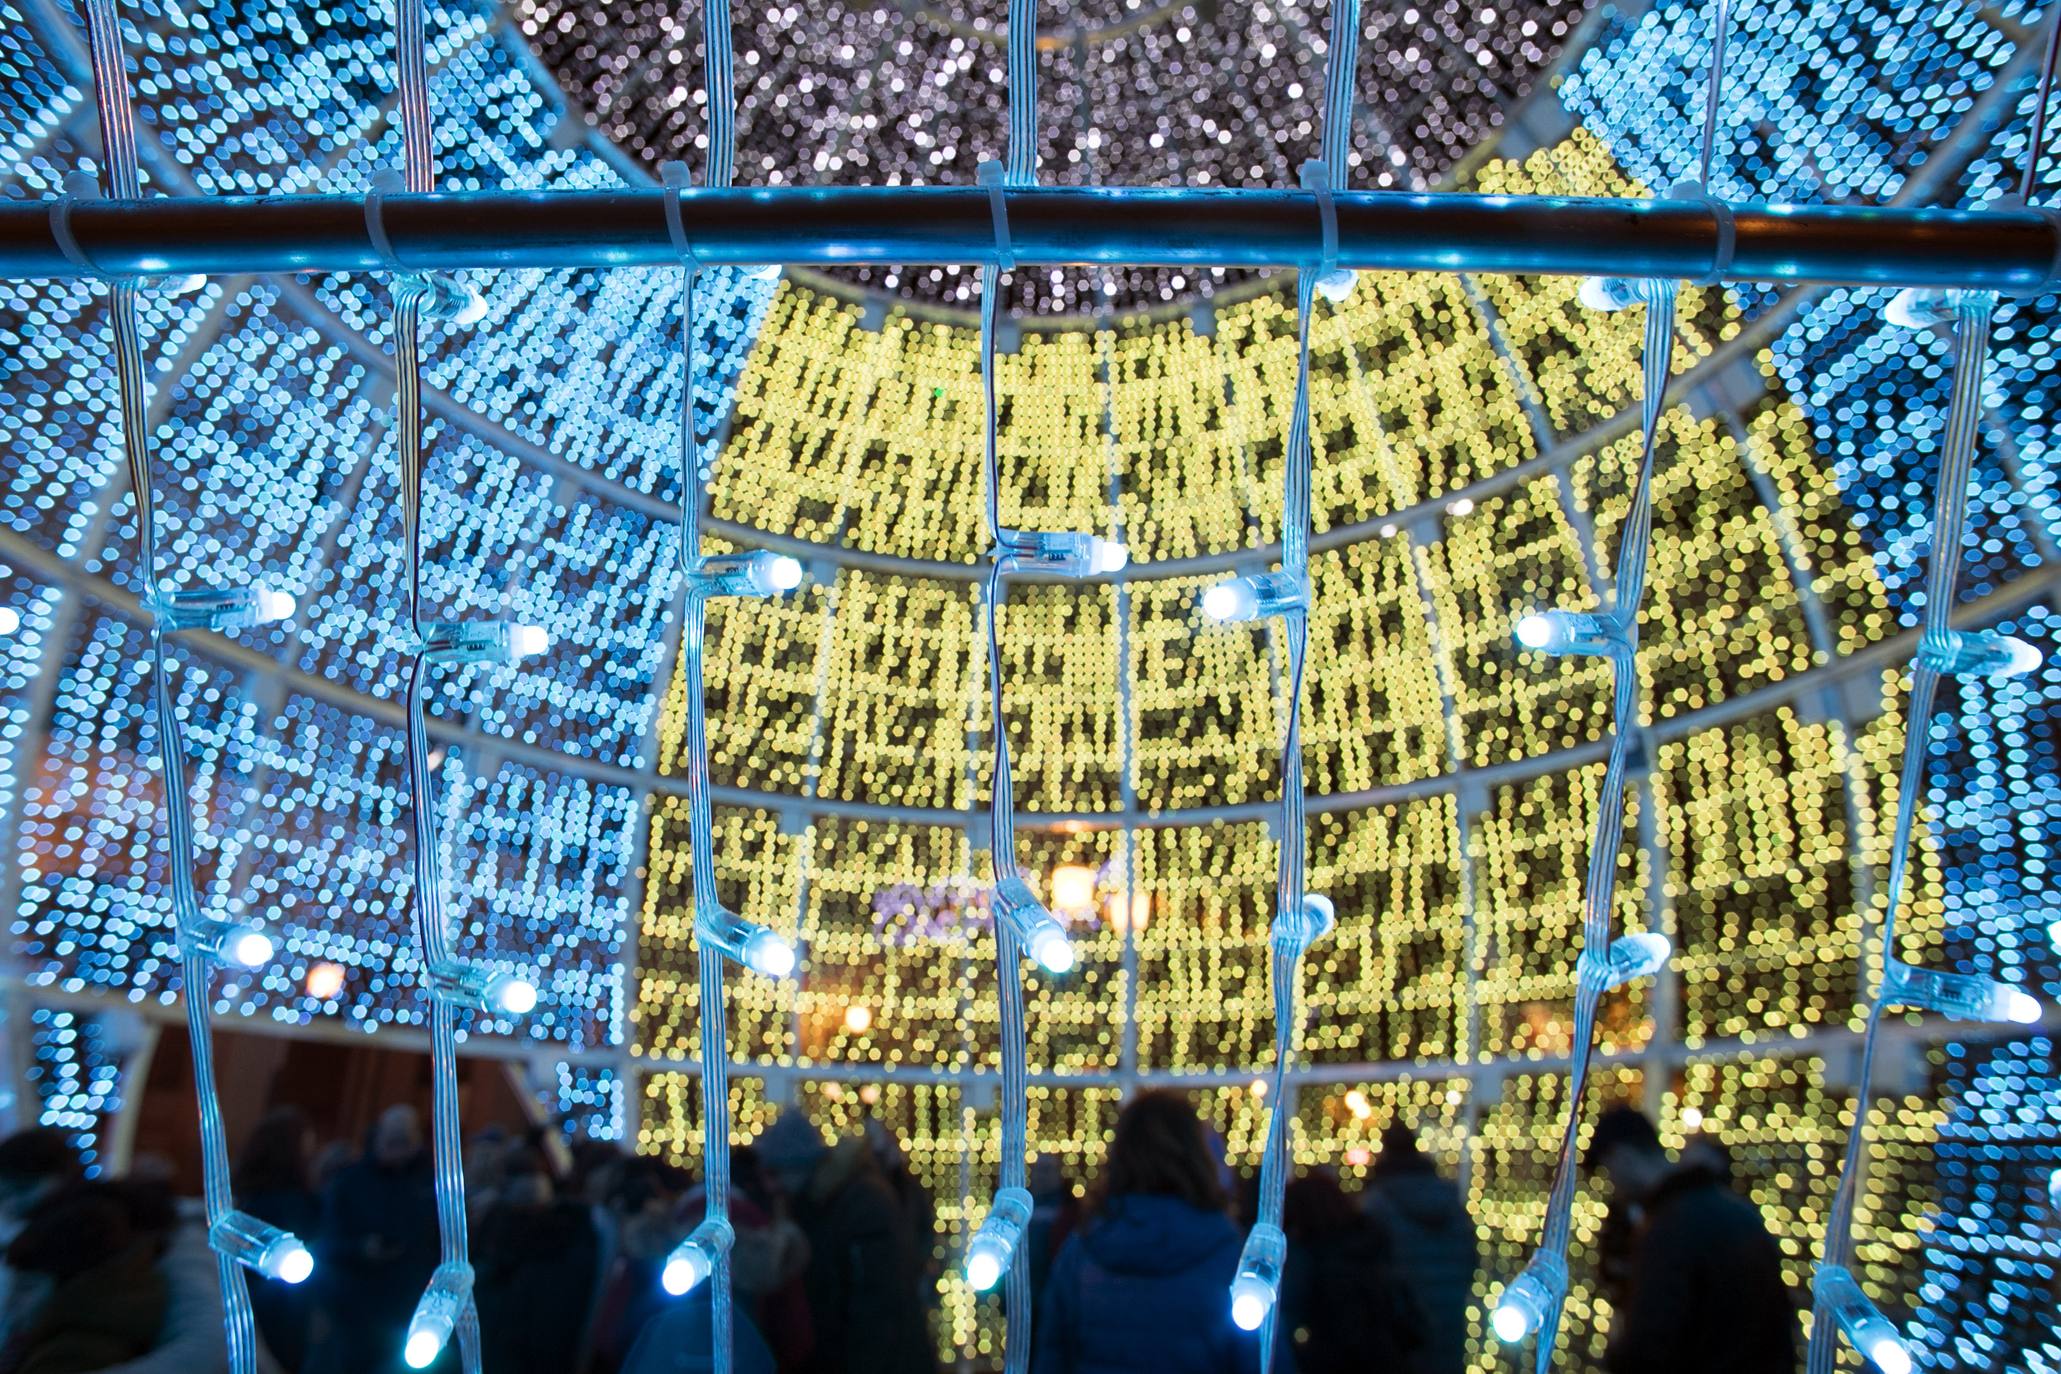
x=1132, y=94
x=1472, y=451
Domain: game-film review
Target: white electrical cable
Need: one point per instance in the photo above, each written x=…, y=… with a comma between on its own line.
x=1300, y=918
x=452, y=984
x=239, y=1241
x=704, y=1256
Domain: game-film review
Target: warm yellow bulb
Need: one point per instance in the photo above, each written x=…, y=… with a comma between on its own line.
x=1073, y=888
x=858, y=1018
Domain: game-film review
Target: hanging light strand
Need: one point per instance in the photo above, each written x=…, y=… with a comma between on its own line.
x=239, y=1241
x=1532, y=1303
x=1839, y=1305
x=446, y=1306
x=1022, y=923
x=1300, y=918
x=704, y=1256
x=1720, y=24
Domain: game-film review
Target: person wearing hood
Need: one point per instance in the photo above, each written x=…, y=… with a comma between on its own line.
x=534, y=1256
x=1435, y=1250
x=1144, y=1286
x=861, y=1278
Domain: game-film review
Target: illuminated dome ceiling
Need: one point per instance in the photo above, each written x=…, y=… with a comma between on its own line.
x=1471, y=438
x=1130, y=95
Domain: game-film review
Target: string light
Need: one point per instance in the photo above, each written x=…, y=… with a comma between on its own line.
x=696, y=1257
x=1300, y=918
x=1834, y=1291
x=446, y=1304
x=705, y=1254
x=204, y=941
x=1532, y=1305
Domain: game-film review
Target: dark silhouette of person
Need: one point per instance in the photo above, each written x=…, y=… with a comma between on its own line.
x=1700, y=1278
x=533, y=1256
x=1435, y=1252
x=88, y=1293
x=378, y=1247
x=275, y=1183
x=1144, y=1285
x=1342, y=1305
x=861, y=1279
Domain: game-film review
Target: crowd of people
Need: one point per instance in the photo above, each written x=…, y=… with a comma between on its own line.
x=836, y=1259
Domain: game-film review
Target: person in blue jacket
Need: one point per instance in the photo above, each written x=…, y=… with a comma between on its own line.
x=1145, y=1284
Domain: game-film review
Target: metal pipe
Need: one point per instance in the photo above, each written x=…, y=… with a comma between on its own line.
x=2011, y=251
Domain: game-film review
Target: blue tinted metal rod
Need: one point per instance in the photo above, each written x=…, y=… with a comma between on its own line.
x=2008, y=251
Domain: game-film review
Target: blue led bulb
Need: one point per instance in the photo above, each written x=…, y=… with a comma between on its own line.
x=436, y=1314
x=1569, y=632
x=1629, y=958
x=694, y=1258
x=993, y=1247
x=1530, y=1298
x=1977, y=653
x=758, y=574
x=482, y=642
x=1060, y=554
x=261, y=1247
x=1037, y=930
x=756, y=947
x=1257, y=1284
x=495, y=991
x=444, y=297
x=239, y=608
x=1963, y=996
x=1294, y=932
x=243, y=944
x=1255, y=597
x=1612, y=293
x=1869, y=1332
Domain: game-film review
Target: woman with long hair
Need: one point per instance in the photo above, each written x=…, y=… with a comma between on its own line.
x=1144, y=1285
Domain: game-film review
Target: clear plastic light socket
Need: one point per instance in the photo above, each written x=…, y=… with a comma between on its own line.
x=171, y=285
x=1337, y=284
x=694, y=1258
x=1610, y=293
x=762, y=272
x=484, y=641
x=1522, y=1310
x=1963, y=996
x=760, y=573
x=755, y=946
x=1865, y=1328
x=448, y=298
x=1977, y=653
x=1257, y=1283
x=436, y=1313
x=1254, y=597
x=1567, y=632
x=480, y=987
x=1629, y=958
x=261, y=1246
x=1036, y=929
x=1296, y=932
x=1922, y=307
x=993, y=1247
x=1062, y=553
x=243, y=944
x=221, y=611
